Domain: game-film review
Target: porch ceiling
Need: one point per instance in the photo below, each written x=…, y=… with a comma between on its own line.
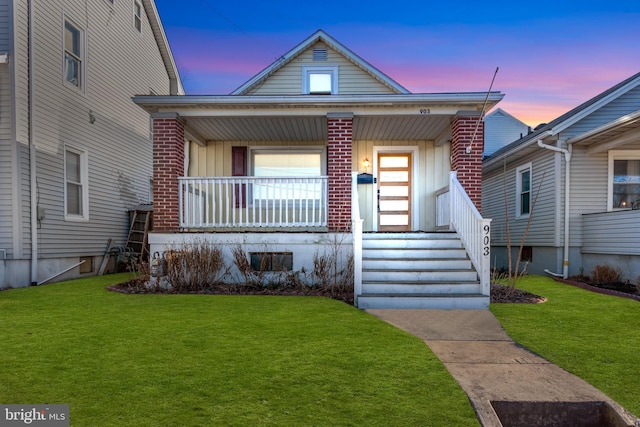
x=314, y=128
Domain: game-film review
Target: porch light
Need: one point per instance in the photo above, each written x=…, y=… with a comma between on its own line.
x=365, y=163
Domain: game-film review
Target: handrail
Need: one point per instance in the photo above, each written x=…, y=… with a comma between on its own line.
x=356, y=230
x=247, y=202
x=473, y=230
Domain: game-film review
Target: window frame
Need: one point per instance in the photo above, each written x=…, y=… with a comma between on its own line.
x=520, y=170
x=84, y=185
x=306, y=78
x=253, y=151
x=137, y=18
x=612, y=156
x=80, y=57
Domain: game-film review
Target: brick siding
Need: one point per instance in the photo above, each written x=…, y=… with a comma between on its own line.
x=168, y=166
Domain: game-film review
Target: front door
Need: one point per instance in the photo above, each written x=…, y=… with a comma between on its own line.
x=394, y=191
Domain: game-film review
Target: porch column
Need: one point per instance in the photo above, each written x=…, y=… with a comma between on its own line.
x=168, y=166
x=339, y=165
x=466, y=153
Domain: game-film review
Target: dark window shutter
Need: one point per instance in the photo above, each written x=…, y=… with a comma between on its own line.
x=239, y=168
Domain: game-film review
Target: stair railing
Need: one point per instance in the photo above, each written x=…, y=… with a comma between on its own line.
x=356, y=230
x=473, y=230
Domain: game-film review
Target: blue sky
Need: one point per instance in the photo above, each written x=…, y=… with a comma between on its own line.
x=552, y=55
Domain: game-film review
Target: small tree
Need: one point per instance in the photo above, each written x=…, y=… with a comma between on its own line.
x=513, y=273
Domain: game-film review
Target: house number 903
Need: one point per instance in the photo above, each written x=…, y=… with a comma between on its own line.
x=486, y=241
x=425, y=111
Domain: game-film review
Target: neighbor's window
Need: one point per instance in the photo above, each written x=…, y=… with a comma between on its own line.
x=73, y=54
x=320, y=81
x=624, y=179
x=137, y=15
x=288, y=164
x=523, y=191
x=76, y=188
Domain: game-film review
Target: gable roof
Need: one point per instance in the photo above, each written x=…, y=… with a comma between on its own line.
x=500, y=112
x=319, y=35
x=163, y=45
x=566, y=120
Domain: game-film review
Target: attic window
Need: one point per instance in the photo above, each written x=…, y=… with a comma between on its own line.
x=319, y=54
x=320, y=80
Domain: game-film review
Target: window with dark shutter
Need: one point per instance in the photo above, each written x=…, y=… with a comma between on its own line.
x=239, y=168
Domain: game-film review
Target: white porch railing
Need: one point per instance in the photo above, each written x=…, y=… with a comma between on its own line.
x=356, y=230
x=473, y=230
x=252, y=202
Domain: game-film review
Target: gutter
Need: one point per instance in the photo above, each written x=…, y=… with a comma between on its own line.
x=567, y=193
x=32, y=153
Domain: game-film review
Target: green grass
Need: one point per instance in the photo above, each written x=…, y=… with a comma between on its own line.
x=594, y=336
x=194, y=360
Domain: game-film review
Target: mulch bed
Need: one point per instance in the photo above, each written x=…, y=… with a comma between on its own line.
x=507, y=294
x=580, y=282
x=139, y=286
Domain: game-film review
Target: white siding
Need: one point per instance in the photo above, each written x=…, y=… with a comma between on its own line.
x=120, y=63
x=612, y=233
x=6, y=139
x=501, y=129
x=543, y=220
x=351, y=78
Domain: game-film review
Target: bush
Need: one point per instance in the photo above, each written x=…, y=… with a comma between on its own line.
x=195, y=267
x=606, y=275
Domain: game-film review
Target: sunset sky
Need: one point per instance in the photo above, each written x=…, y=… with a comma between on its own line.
x=552, y=55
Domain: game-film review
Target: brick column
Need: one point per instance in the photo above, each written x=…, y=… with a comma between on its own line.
x=168, y=165
x=466, y=155
x=339, y=165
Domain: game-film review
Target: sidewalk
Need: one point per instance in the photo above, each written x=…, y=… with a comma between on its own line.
x=525, y=388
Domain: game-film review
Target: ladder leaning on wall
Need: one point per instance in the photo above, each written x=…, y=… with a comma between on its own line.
x=137, y=242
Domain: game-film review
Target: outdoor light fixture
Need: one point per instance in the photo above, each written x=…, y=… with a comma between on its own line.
x=365, y=163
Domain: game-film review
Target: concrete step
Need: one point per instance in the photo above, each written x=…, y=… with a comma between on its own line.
x=417, y=301
x=415, y=288
x=414, y=253
x=415, y=264
x=392, y=241
x=381, y=275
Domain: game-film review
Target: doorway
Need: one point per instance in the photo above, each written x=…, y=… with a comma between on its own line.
x=394, y=191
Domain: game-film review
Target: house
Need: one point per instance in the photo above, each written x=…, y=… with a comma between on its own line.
x=500, y=129
x=582, y=171
x=322, y=147
x=75, y=151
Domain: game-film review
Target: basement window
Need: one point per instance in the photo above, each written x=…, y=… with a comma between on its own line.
x=271, y=261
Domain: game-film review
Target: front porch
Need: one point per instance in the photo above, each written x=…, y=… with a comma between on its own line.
x=279, y=176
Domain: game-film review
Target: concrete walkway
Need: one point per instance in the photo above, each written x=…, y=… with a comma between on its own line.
x=490, y=367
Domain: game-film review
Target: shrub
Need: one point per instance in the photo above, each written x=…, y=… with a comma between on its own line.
x=195, y=267
x=605, y=274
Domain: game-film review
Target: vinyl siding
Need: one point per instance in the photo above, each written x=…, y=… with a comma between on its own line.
x=612, y=233
x=6, y=138
x=625, y=104
x=542, y=231
x=351, y=78
x=433, y=164
x=500, y=130
x=120, y=62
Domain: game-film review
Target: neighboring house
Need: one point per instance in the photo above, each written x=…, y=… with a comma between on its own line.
x=584, y=170
x=500, y=129
x=75, y=151
x=274, y=167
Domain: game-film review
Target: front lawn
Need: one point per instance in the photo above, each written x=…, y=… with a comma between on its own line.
x=193, y=360
x=594, y=336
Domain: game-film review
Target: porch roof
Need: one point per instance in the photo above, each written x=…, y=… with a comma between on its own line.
x=303, y=117
x=611, y=135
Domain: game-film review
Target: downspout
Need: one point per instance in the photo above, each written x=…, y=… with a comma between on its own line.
x=567, y=193
x=32, y=153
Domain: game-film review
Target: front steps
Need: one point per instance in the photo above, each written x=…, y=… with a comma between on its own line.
x=418, y=271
